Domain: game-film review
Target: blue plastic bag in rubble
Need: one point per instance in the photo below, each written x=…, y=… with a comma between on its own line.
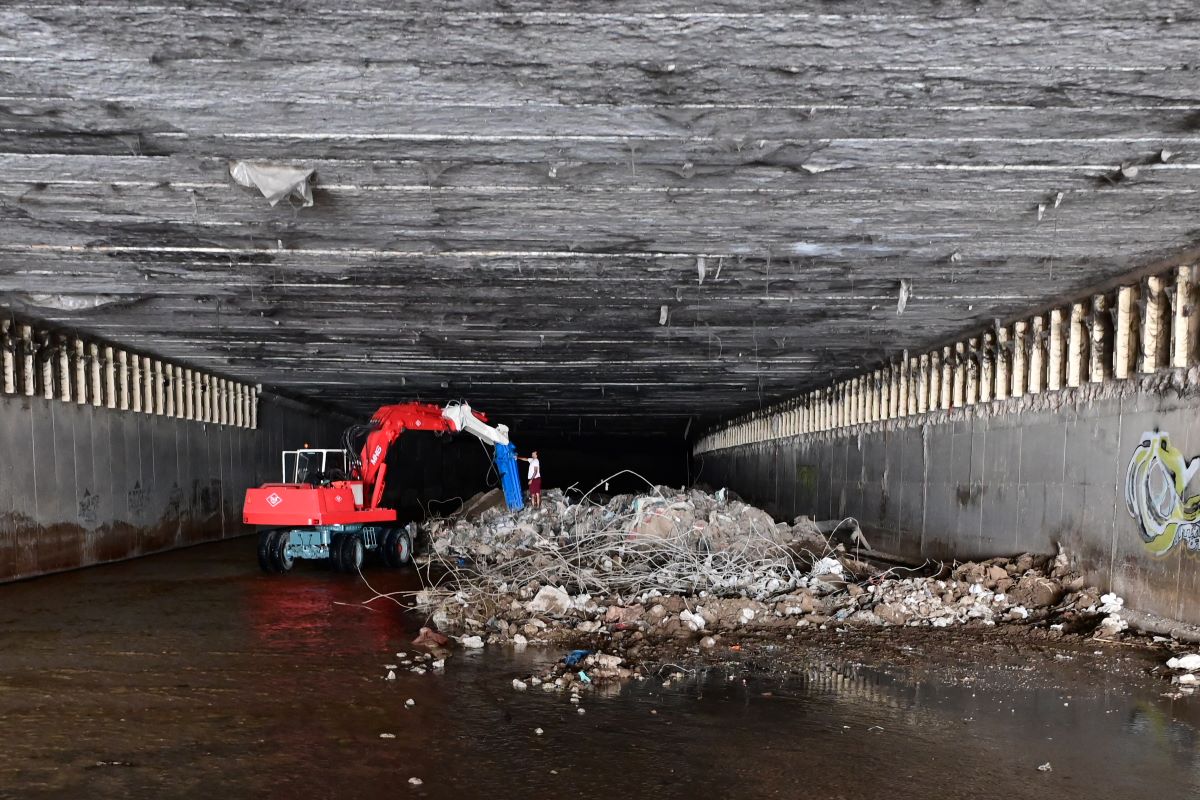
x=575, y=656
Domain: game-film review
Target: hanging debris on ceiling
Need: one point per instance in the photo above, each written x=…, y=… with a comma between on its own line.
x=663, y=315
x=701, y=268
x=275, y=181
x=73, y=302
x=905, y=293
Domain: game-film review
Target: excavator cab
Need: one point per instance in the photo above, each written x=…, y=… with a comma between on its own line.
x=316, y=467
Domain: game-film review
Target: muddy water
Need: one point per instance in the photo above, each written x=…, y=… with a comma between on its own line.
x=191, y=675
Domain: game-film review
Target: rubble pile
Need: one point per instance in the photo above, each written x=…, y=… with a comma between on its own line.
x=680, y=543
x=700, y=568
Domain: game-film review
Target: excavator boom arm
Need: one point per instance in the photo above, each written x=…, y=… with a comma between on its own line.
x=389, y=422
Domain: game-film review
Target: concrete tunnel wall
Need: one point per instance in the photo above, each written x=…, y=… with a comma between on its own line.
x=1013, y=476
x=81, y=484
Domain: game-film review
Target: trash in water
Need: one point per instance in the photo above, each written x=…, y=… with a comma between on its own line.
x=575, y=656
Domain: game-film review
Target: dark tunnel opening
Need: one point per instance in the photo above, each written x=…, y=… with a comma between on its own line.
x=431, y=474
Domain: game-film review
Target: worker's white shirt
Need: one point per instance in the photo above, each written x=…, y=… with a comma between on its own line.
x=535, y=469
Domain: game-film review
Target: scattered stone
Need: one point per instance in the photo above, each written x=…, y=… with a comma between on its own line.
x=391, y=676
x=519, y=685
x=1046, y=767
x=410, y=702
x=415, y=781
x=550, y=600
x=1189, y=662
x=471, y=642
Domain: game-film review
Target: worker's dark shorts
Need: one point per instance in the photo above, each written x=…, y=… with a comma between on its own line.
x=535, y=486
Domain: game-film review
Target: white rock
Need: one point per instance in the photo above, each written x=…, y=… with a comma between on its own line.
x=538, y=731
x=439, y=664
x=1188, y=679
x=410, y=702
x=581, y=710
x=1189, y=662
x=550, y=600
x=519, y=685
x=606, y=661
x=1045, y=767
x=828, y=566
x=387, y=736
x=519, y=640
x=472, y=642
x=748, y=613
x=1111, y=625
x=1111, y=603
x=391, y=676
x=415, y=781
x=709, y=642
x=694, y=621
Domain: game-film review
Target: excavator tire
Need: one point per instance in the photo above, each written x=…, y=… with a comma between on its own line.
x=403, y=549
x=386, y=540
x=396, y=548
x=264, y=551
x=280, y=560
x=352, y=553
x=335, y=552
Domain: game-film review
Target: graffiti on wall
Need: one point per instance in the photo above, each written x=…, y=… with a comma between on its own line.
x=1159, y=496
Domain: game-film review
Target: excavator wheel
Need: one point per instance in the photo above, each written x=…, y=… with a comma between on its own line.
x=385, y=548
x=264, y=551
x=352, y=553
x=335, y=552
x=280, y=560
x=397, y=548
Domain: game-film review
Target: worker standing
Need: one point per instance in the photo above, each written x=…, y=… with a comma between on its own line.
x=535, y=479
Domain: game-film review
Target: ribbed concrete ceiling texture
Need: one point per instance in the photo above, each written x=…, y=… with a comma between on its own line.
x=508, y=195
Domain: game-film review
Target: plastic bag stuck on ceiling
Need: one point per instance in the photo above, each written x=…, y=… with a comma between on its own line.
x=275, y=181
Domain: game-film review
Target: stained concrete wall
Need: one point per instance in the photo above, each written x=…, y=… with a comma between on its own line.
x=998, y=479
x=82, y=485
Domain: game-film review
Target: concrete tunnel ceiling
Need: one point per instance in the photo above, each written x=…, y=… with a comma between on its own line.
x=506, y=198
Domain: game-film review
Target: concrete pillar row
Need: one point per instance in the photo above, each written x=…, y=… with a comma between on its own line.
x=1077, y=346
x=64, y=371
x=30, y=382
x=1099, y=326
x=1037, y=355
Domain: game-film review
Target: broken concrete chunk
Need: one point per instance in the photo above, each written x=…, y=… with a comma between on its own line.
x=1189, y=662
x=550, y=600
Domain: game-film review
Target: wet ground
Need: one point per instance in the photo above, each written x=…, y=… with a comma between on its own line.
x=192, y=675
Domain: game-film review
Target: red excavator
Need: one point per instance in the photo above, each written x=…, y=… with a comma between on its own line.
x=327, y=504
